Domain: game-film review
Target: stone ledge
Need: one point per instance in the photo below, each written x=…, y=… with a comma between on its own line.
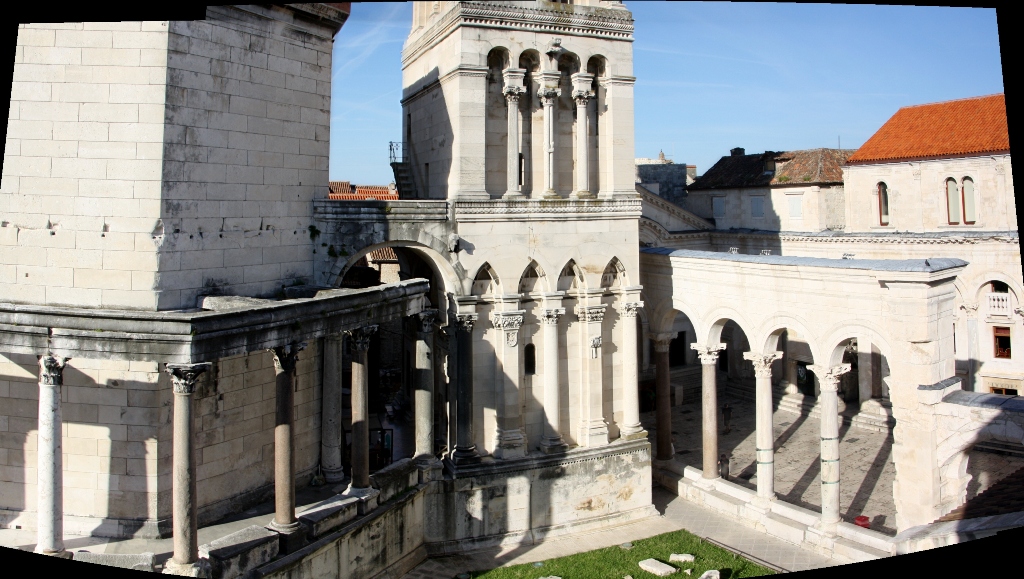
x=137, y=562
x=237, y=554
x=330, y=514
x=932, y=535
x=395, y=479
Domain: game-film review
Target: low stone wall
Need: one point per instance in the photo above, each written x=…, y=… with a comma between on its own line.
x=923, y=537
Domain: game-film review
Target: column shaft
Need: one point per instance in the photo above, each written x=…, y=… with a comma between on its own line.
x=709, y=406
x=49, y=455
x=552, y=393
x=359, y=342
x=631, y=426
x=765, y=435
x=594, y=428
x=829, y=402
x=285, y=358
x=465, y=449
x=513, y=89
x=864, y=373
x=184, y=378
x=663, y=397
x=425, y=387
x=331, y=427
x=582, y=147
x=511, y=440
x=548, y=96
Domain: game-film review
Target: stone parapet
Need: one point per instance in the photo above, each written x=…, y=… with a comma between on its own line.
x=237, y=554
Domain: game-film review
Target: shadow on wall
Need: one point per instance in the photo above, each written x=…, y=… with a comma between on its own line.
x=429, y=137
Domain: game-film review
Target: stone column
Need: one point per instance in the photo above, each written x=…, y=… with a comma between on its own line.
x=552, y=441
x=663, y=396
x=184, y=378
x=331, y=427
x=765, y=437
x=50, y=459
x=359, y=344
x=828, y=378
x=709, y=405
x=973, y=351
x=631, y=427
x=582, y=94
x=865, y=376
x=511, y=440
x=285, y=358
x=548, y=94
x=790, y=381
x=465, y=449
x=513, y=90
x=593, y=429
x=424, y=380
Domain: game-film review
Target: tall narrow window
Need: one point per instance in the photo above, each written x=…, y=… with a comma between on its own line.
x=883, y=204
x=718, y=206
x=968, y=199
x=953, y=201
x=530, y=359
x=1002, y=342
x=522, y=169
x=757, y=206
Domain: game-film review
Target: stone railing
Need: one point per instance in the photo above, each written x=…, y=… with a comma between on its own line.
x=999, y=304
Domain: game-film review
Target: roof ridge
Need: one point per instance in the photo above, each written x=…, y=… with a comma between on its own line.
x=954, y=100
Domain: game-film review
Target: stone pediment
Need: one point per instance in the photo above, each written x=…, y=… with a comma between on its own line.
x=668, y=215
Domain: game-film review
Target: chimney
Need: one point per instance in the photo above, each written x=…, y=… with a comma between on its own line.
x=737, y=152
x=691, y=171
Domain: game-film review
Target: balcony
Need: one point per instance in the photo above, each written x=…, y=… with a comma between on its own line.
x=999, y=304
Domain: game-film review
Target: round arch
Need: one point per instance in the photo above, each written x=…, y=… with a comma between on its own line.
x=720, y=316
x=989, y=276
x=771, y=330
x=447, y=273
x=844, y=331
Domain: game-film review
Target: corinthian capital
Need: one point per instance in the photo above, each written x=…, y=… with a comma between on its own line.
x=631, y=309
x=286, y=356
x=708, y=353
x=548, y=94
x=427, y=318
x=663, y=341
x=970, y=309
x=762, y=362
x=51, y=370
x=551, y=315
x=513, y=92
x=582, y=97
x=359, y=338
x=184, y=377
x=828, y=376
x=591, y=313
x=464, y=322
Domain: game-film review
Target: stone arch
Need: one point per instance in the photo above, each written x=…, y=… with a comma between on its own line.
x=772, y=331
x=568, y=63
x=433, y=252
x=571, y=277
x=533, y=279
x=650, y=233
x=496, y=123
x=846, y=330
x=721, y=316
x=988, y=277
x=486, y=281
x=597, y=65
x=529, y=60
x=498, y=57
x=614, y=275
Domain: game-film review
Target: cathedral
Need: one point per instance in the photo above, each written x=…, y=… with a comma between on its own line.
x=170, y=356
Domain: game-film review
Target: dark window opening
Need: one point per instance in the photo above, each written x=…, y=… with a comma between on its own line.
x=723, y=360
x=530, y=360
x=1002, y=342
x=1000, y=287
x=677, y=351
x=1005, y=391
x=522, y=169
x=883, y=204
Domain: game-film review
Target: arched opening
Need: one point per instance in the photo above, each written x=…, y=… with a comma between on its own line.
x=496, y=124
x=565, y=123
x=532, y=280
x=883, y=203
x=597, y=66
x=614, y=275
x=531, y=112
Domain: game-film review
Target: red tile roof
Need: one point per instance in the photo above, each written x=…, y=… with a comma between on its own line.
x=957, y=128
x=345, y=191
x=807, y=167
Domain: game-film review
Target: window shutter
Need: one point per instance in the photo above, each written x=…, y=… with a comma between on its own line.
x=968, y=198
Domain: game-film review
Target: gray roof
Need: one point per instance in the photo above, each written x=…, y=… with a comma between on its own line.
x=929, y=265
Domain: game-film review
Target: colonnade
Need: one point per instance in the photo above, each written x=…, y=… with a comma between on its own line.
x=828, y=377
x=548, y=92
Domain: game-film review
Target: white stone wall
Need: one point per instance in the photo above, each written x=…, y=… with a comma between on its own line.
x=81, y=190
x=795, y=208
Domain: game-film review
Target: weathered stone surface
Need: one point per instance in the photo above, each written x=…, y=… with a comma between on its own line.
x=656, y=567
x=329, y=514
x=137, y=562
x=680, y=558
x=395, y=478
x=200, y=568
x=711, y=574
x=236, y=554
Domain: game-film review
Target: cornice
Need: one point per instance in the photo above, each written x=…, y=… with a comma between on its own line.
x=1007, y=237
x=547, y=209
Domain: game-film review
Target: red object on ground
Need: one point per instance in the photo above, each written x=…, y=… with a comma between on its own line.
x=862, y=521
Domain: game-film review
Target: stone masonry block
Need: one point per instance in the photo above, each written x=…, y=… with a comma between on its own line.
x=238, y=553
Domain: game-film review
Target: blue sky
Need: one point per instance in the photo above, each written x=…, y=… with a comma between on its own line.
x=712, y=76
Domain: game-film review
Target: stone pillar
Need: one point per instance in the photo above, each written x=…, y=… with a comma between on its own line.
x=709, y=405
x=552, y=441
x=765, y=437
x=424, y=380
x=828, y=378
x=582, y=94
x=465, y=449
x=593, y=428
x=332, y=431
x=548, y=93
x=631, y=428
x=359, y=344
x=865, y=376
x=184, y=378
x=790, y=380
x=513, y=90
x=973, y=351
x=50, y=459
x=663, y=396
x=285, y=358
x=511, y=439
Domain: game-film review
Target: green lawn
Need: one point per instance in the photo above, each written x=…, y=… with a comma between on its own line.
x=616, y=562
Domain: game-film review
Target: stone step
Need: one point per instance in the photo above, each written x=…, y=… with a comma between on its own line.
x=873, y=422
x=857, y=552
x=784, y=528
x=1004, y=448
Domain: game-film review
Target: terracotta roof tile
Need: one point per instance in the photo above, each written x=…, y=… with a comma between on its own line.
x=957, y=128
x=345, y=191
x=807, y=167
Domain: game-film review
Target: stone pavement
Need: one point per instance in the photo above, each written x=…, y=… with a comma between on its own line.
x=677, y=514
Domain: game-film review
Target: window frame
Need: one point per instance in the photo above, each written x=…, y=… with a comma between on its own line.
x=963, y=200
x=756, y=199
x=955, y=201
x=884, y=217
x=1002, y=332
x=529, y=360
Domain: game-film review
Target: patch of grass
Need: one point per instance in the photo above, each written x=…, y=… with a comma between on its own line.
x=616, y=562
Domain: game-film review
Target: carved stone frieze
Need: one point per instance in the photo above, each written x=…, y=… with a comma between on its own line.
x=464, y=322
x=970, y=309
x=508, y=322
x=631, y=309
x=551, y=315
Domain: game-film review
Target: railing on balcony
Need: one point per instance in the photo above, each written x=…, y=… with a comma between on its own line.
x=397, y=151
x=999, y=304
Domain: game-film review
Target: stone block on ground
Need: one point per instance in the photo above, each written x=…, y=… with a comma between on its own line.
x=329, y=514
x=680, y=558
x=137, y=561
x=711, y=574
x=236, y=554
x=656, y=567
x=395, y=478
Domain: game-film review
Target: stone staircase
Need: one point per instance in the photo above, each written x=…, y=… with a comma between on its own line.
x=1006, y=496
x=403, y=179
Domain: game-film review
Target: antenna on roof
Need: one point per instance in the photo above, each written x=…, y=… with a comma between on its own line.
x=840, y=139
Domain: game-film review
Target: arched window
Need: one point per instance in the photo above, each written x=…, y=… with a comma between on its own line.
x=530, y=360
x=953, y=201
x=967, y=196
x=883, y=204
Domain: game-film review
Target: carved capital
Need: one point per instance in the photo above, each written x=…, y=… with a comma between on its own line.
x=828, y=377
x=286, y=356
x=970, y=309
x=591, y=313
x=551, y=315
x=708, y=353
x=513, y=92
x=509, y=322
x=359, y=338
x=631, y=309
x=762, y=362
x=548, y=95
x=1019, y=311
x=427, y=318
x=662, y=341
x=582, y=97
x=184, y=377
x=51, y=370
x=464, y=322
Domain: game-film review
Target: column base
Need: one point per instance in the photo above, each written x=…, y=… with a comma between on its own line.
x=200, y=568
x=513, y=195
x=431, y=468
x=510, y=444
x=292, y=536
x=62, y=554
x=823, y=532
x=367, y=498
x=553, y=446
x=594, y=434
x=551, y=194
x=584, y=195
x=632, y=433
x=332, y=476
x=463, y=456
